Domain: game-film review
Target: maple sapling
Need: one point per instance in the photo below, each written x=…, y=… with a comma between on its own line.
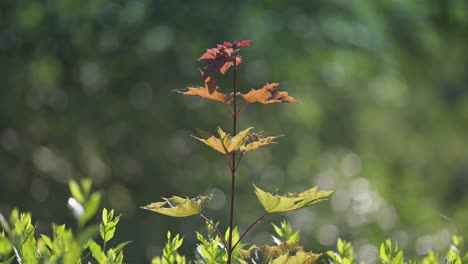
x=220, y=59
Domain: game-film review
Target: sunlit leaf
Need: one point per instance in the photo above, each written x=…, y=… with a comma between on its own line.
x=178, y=206
x=210, y=91
x=225, y=143
x=292, y=201
x=268, y=95
x=255, y=141
x=285, y=253
x=5, y=246
x=97, y=252
x=298, y=258
x=76, y=191
x=90, y=208
x=238, y=140
x=120, y=246
x=212, y=141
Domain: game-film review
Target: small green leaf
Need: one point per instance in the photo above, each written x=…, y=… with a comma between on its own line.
x=104, y=216
x=290, y=202
x=120, y=246
x=119, y=258
x=47, y=240
x=178, y=207
x=97, y=253
x=86, y=185
x=340, y=246
x=14, y=216
x=278, y=230
x=111, y=255
x=399, y=259
x=211, y=141
x=5, y=246
x=90, y=208
x=383, y=253
x=76, y=191
x=294, y=237
x=457, y=241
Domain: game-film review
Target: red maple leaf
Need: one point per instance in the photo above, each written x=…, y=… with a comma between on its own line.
x=222, y=57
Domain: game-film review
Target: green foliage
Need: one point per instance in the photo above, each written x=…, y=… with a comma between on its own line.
x=454, y=255
x=108, y=225
x=20, y=232
x=285, y=233
x=286, y=249
x=210, y=248
x=389, y=254
x=83, y=203
x=63, y=247
x=18, y=239
x=107, y=229
x=170, y=254
x=344, y=254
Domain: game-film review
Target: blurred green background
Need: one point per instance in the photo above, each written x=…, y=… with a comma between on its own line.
x=382, y=119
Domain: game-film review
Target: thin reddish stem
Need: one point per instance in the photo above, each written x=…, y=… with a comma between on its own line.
x=233, y=163
x=241, y=108
x=230, y=109
x=215, y=228
x=239, y=160
x=250, y=227
x=229, y=162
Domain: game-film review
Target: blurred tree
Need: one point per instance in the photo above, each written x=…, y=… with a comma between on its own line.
x=85, y=91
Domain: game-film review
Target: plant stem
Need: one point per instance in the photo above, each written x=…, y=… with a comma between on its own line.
x=250, y=227
x=239, y=160
x=233, y=163
x=215, y=228
x=241, y=108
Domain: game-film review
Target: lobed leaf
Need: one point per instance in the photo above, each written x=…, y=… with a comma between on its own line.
x=255, y=142
x=276, y=203
x=238, y=140
x=285, y=253
x=178, y=206
x=224, y=144
x=210, y=91
x=267, y=95
x=298, y=258
x=222, y=57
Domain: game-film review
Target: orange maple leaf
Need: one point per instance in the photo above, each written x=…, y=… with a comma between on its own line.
x=268, y=95
x=210, y=91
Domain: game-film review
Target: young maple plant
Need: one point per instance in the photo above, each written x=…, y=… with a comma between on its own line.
x=220, y=59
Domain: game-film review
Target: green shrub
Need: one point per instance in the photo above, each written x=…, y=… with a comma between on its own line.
x=18, y=240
